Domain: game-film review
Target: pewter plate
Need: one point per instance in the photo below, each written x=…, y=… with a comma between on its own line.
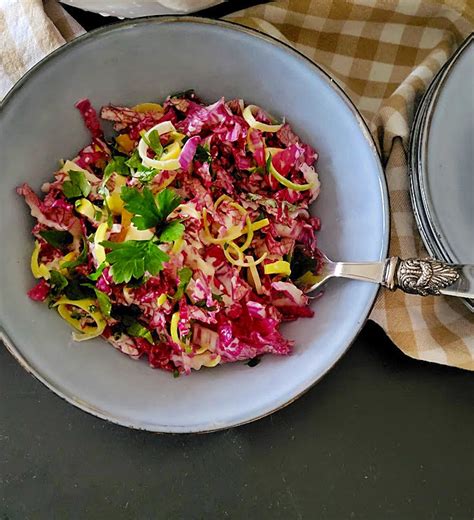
x=447, y=154
x=441, y=157
x=137, y=8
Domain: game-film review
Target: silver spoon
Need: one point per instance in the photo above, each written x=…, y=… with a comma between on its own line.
x=415, y=276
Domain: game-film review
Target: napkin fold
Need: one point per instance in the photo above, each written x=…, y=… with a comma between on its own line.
x=383, y=53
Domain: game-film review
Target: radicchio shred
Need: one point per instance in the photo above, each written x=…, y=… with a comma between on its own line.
x=200, y=308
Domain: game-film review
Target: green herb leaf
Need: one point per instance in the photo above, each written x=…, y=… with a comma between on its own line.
x=218, y=297
x=139, y=331
x=103, y=191
x=183, y=94
x=79, y=179
x=149, y=211
x=202, y=154
x=77, y=185
x=268, y=163
x=117, y=164
x=71, y=191
x=185, y=274
x=141, y=172
x=172, y=232
x=254, y=362
x=134, y=161
x=58, y=239
x=203, y=305
x=154, y=143
x=57, y=281
x=103, y=300
x=131, y=259
x=167, y=201
x=303, y=262
x=97, y=274
x=145, y=176
x=142, y=205
x=77, y=290
x=125, y=315
x=81, y=259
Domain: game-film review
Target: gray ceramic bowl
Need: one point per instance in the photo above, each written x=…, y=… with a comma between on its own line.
x=145, y=60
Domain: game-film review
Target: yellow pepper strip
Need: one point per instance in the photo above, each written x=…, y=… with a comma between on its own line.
x=249, y=238
x=253, y=123
x=230, y=258
x=139, y=234
x=115, y=203
x=88, y=332
x=278, y=267
x=114, y=200
x=174, y=332
x=70, y=256
x=143, y=108
x=177, y=246
x=237, y=206
x=250, y=230
x=283, y=180
x=221, y=199
x=211, y=362
x=260, y=224
x=201, y=350
x=234, y=232
x=89, y=210
x=172, y=151
x=254, y=276
x=99, y=237
x=124, y=143
x=177, y=136
x=38, y=270
x=240, y=260
x=307, y=279
x=168, y=164
x=206, y=359
x=174, y=328
x=67, y=258
x=161, y=299
x=125, y=221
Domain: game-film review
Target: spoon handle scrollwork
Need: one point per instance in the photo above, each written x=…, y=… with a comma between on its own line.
x=419, y=276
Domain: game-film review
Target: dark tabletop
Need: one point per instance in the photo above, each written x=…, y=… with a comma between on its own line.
x=381, y=436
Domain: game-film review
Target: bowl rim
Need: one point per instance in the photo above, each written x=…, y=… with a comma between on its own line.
x=385, y=217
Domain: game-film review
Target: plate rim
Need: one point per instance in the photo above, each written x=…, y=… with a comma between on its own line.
x=384, y=200
x=423, y=148
x=107, y=13
x=418, y=141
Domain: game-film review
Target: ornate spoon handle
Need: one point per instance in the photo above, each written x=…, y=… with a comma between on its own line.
x=420, y=276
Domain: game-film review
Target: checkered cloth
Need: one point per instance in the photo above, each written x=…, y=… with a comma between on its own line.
x=384, y=53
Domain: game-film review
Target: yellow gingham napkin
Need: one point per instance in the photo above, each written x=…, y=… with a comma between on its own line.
x=384, y=54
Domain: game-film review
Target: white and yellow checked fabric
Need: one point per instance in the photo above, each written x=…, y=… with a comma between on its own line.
x=384, y=54
x=29, y=30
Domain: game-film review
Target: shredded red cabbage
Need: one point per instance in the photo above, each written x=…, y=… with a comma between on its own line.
x=205, y=289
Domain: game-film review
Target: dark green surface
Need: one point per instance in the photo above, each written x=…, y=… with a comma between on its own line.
x=381, y=436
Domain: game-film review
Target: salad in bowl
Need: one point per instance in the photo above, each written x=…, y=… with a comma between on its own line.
x=180, y=239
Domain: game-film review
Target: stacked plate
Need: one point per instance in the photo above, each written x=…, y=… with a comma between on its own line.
x=136, y=8
x=442, y=162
